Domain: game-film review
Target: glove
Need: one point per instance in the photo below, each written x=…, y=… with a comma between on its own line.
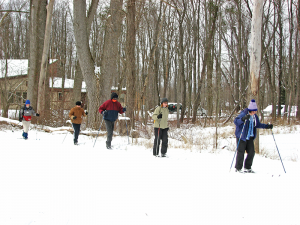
x=37, y=114
x=159, y=116
x=20, y=119
x=74, y=117
x=269, y=126
x=246, y=117
x=104, y=113
x=86, y=113
x=124, y=109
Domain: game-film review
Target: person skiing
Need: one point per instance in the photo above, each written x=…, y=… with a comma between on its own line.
x=25, y=115
x=76, y=114
x=160, y=117
x=110, y=110
x=246, y=124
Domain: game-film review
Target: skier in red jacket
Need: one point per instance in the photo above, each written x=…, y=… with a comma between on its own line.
x=110, y=110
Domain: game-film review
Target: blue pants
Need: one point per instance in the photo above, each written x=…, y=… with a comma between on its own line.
x=76, y=128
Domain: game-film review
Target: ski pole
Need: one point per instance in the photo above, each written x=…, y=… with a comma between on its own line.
x=237, y=145
x=36, y=131
x=278, y=151
x=65, y=137
x=157, y=143
x=98, y=132
x=126, y=127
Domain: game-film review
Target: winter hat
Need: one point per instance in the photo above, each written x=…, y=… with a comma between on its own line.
x=27, y=102
x=252, y=106
x=78, y=103
x=164, y=100
x=114, y=95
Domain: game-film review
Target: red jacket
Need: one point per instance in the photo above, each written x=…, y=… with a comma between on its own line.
x=111, y=110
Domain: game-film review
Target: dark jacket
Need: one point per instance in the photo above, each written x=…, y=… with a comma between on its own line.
x=26, y=113
x=112, y=110
x=240, y=123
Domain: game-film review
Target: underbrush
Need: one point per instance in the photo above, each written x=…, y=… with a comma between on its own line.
x=190, y=137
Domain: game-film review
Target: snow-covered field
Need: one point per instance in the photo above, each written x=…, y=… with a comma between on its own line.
x=46, y=180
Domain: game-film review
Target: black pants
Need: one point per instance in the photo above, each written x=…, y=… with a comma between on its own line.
x=76, y=128
x=110, y=129
x=247, y=145
x=163, y=135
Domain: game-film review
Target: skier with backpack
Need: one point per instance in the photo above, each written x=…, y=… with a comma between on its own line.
x=76, y=114
x=25, y=115
x=160, y=117
x=110, y=110
x=246, y=124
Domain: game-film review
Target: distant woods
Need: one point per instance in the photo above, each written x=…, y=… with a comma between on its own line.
x=196, y=53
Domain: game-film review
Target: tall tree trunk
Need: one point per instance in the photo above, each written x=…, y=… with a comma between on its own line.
x=110, y=48
x=130, y=60
x=298, y=50
x=218, y=79
x=85, y=58
x=41, y=88
x=281, y=92
x=274, y=71
x=150, y=73
x=38, y=15
x=76, y=95
x=207, y=50
x=298, y=85
x=255, y=57
x=166, y=70
x=209, y=82
x=181, y=70
x=291, y=81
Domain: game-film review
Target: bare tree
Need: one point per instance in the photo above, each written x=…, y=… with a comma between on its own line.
x=255, y=57
x=298, y=51
x=81, y=29
x=281, y=91
x=110, y=57
x=211, y=27
x=38, y=15
x=130, y=60
x=41, y=88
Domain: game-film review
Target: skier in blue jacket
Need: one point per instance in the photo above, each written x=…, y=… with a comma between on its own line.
x=246, y=124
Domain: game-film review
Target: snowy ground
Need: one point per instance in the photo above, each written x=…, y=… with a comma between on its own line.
x=46, y=180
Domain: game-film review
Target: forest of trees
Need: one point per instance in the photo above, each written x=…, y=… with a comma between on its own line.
x=193, y=52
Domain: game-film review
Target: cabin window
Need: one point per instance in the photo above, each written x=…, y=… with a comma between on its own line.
x=60, y=96
x=24, y=97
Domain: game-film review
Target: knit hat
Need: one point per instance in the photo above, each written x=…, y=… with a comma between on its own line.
x=78, y=103
x=27, y=102
x=252, y=106
x=114, y=95
x=163, y=100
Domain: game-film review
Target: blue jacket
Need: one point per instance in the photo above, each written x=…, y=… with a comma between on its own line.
x=239, y=123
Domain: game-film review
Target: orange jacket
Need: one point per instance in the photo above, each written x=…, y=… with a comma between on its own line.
x=78, y=112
